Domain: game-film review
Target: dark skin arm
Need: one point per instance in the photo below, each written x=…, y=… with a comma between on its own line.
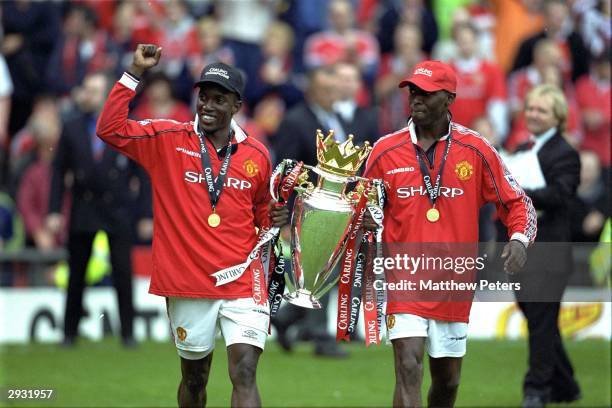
x=515, y=254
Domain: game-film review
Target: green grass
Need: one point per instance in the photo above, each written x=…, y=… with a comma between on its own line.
x=104, y=375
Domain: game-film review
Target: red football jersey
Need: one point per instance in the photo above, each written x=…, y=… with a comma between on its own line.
x=473, y=175
x=186, y=250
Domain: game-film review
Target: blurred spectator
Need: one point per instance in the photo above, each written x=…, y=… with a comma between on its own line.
x=590, y=209
x=483, y=22
x=394, y=107
x=122, y=30
x=558, y=27
x=445, y=12
x=593, y=97
x=159, y=102
x=361, y=122
x=6, y=90
x=481, y=86
x=105, y=10
x=211, y=48
x=33, y=192
x=546, y=54
x=343, y=42
x=594, y=22
x=23, y=145
x=306, y=18
x=412, y=12
x=267, y=116
x=296, y=135
x=101, y=201
x=445, y=49
x=276, y=75
x=30, y=30
x=515, y=21
x=482, y=16
x=169, y=24
x=82, y=48
x=243, y=25
x=573, y=129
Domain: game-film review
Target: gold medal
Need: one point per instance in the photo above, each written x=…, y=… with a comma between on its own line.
x=214, y=220
x=433, y=215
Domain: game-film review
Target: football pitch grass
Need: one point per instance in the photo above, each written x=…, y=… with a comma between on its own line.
x=102, y=374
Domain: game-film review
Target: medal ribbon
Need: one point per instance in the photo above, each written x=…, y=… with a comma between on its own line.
x=290, y=170
x=381, y=294
x=346, y=271
x=370, y=318
x=356, y=291
x=215, y=187
x=433, y=191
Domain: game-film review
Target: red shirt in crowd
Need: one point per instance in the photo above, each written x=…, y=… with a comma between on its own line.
x=594, y=95
x=186, y=250
x=475, y=89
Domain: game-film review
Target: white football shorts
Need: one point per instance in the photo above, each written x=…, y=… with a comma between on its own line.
x=195, y=324
x=444, y=339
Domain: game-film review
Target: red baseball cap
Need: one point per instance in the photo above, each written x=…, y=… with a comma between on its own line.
x=432, y=76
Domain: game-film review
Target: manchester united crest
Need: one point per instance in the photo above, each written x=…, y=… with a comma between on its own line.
x=250, y=167
x=181, y=333
x=464, y=170
x=390, y=321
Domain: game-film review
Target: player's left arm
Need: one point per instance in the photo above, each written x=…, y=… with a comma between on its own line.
x=514, y=208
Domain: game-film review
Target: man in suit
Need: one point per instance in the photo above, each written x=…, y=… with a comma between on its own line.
x=295, y=137
x=549, y=171
x=362, y=122
x=102, y=199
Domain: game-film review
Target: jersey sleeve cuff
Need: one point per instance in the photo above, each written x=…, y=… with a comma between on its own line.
x=129, y=81
x=517, y=236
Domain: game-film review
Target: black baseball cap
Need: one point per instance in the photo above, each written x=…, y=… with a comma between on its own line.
x=224, y=75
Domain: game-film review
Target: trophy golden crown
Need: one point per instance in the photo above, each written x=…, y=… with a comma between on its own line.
x=341, y=159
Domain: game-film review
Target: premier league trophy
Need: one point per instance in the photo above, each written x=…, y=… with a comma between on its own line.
x=322, y=217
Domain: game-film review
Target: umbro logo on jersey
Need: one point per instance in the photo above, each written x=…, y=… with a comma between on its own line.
x=188, y=152
x=400, y=170
x=231, y=182
x=448, y=192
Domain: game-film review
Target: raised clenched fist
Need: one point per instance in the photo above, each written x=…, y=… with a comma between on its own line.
x=145, y=56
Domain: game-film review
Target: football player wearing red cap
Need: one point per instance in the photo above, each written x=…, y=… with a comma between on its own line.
x=437, y=175
x=210, y=191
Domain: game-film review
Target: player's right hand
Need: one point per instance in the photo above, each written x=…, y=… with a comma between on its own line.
x=145, y=56
x=368, y=223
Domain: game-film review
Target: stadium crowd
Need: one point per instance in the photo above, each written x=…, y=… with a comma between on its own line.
x=500, y=49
